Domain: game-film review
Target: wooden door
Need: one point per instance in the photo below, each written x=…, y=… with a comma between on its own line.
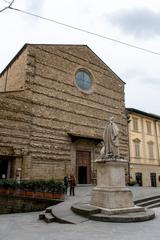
x=83, y=165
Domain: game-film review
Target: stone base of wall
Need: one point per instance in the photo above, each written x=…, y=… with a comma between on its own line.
x=146, y=170
x=15, y=204
x=31, y=194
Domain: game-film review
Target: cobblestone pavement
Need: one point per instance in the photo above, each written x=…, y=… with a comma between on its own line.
x=138, y=192
x=26, y=226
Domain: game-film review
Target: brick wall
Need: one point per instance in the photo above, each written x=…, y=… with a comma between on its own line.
x=13, y=79
x=38, y=119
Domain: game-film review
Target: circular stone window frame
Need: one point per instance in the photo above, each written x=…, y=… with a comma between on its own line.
x=91, y=77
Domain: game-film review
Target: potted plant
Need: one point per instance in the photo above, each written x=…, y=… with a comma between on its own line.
x=132, y=182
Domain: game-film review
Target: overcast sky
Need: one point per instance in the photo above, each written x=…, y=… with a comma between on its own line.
x=133, y=21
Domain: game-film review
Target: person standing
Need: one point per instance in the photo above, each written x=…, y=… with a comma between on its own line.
x=66, y=183
x=72, y=184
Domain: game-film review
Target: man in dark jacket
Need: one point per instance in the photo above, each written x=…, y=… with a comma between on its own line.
x=65, y=183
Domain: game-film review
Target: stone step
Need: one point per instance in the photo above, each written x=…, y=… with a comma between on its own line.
x=155, y=205
x=63, y=214
x=49, y=209
x=146, y=199
x=48, y=217
x=124, y=218
x=42, y=215
x=84, y=209
x=148, y=202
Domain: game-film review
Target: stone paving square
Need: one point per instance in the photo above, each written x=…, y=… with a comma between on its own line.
x=26, y=226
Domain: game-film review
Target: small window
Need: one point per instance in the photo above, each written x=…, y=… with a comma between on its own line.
x=135, y=124
x=138, y=176
x=137, y=148
x=151, y=150
x=159, y=129
x=149, y=130
x=83, y=80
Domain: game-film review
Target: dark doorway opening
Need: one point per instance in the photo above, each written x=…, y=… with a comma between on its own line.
x=7, y=164
x=82, y=175
x=83, y=167
x=3, y=168
x=153, y=180
x=139, y=179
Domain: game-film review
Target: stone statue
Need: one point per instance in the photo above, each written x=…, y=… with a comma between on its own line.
x=110, y=138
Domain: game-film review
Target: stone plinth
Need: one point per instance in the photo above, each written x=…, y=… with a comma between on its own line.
x=111, y=173
x=111, y=200
x=111, y=192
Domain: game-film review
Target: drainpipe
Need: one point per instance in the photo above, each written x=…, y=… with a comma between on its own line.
x=128, y=121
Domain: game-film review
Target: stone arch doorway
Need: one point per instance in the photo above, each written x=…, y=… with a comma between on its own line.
x=83, y=166
x=6, y=166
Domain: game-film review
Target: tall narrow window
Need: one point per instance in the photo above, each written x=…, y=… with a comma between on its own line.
x=149, y=130
x=150, y=150
x=135, y=124
x=137, y=148
x=159, y=129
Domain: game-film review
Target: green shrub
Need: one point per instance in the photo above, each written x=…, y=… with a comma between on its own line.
x=34, y=185
x=8, y=183
x=132, y=182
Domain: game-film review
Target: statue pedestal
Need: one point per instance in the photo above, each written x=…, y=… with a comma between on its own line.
x=111, y=194
x=111, y=200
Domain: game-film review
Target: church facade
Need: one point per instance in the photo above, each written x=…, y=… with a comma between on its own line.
x=55, y=101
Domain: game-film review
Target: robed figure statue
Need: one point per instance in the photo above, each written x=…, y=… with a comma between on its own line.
x=110, y=138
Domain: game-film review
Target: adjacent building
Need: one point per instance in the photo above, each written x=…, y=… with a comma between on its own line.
x=55, y=101
x=144, y=147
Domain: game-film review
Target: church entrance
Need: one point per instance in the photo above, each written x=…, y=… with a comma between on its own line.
x=83, y=165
